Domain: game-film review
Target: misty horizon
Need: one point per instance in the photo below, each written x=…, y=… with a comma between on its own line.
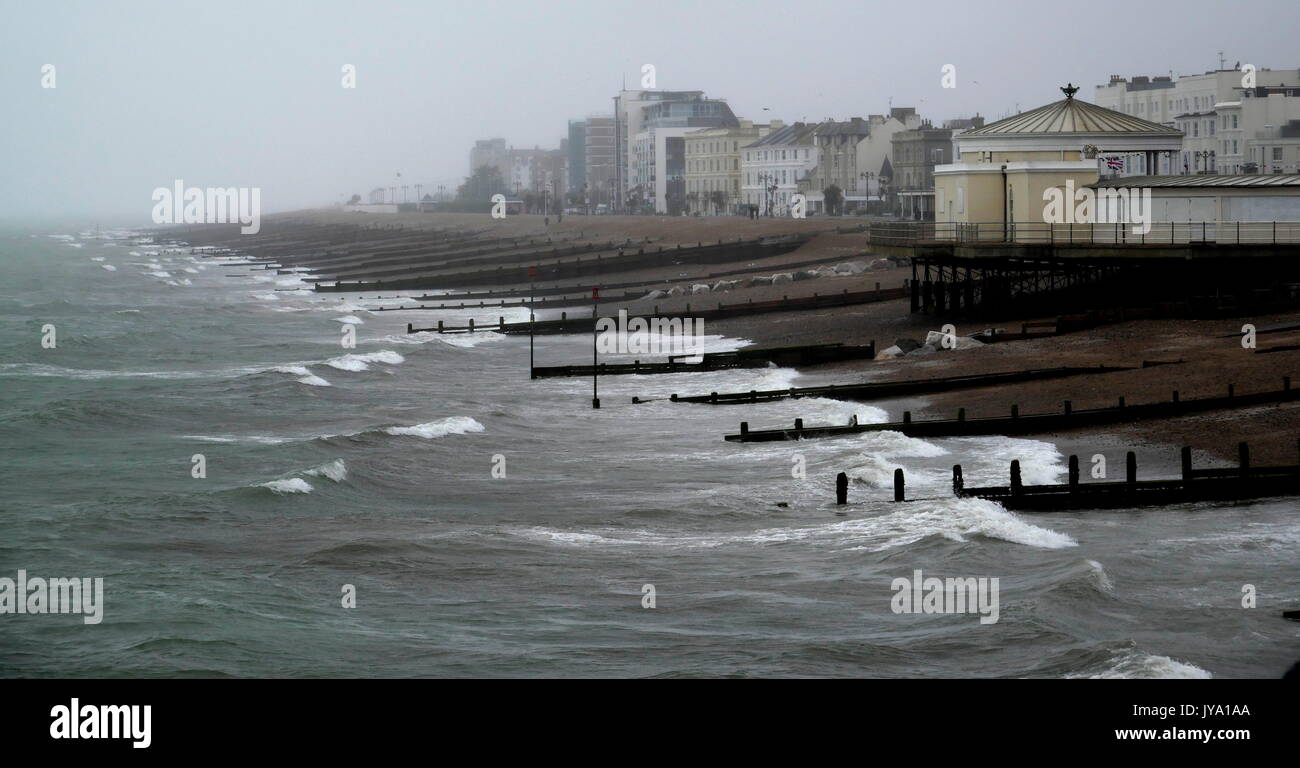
x=249, y=96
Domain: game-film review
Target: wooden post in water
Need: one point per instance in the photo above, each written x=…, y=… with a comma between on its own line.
x=595, y=372
x=841, y=489
x=1185, y=456
x=439, y=326
x=409, y=328
x=961, y=414
x=957, y=482
x=907, y=417
x=471, y=325
x=900, y=491
x=1015, y=411
x=1121, y=401
x=744, y=427
x=1074, y=473
x=798, y=424
x=1243, y=460
x=713, y=398
x=1016, y=487
x=1068, y=405
x=1175, y=396
x=1130, y=468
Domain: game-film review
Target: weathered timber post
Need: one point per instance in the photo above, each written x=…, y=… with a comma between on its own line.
x=753, y=396
x=1175, y=396
x=907, y=417
x=471, y=325
x=841, y=489
x=1130, y=468
x=957, y=482
x=744, y=427
x=961, y=414
x=1121, y=401
x=1015, y=411
x=1074, y=473
x=1243, y=460
x=1016, y=487
x=1231, y=390
x=798, y=424
x=1186, y=459
x=1067, y=407
x=713, y=398
x=900, y=491
x=439, y=326
x=409, y=328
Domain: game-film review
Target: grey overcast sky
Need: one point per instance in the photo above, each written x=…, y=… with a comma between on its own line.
x=248, y=93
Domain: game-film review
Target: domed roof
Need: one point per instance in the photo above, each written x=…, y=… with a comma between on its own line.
x=1071, y=116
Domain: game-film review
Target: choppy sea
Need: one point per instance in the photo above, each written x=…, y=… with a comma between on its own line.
x=488, y=525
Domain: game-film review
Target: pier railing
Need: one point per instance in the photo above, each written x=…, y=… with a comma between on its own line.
x=1160, y=233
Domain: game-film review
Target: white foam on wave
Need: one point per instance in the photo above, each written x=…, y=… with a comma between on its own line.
x=1099, y=575
x=109, y=267
x=353, y=362
x=74, y=245
x=455, y=425
x=160, y=274
x=96, y=258
x=257, y=439
x=307, y=377
x=287, y=485
x=335, y=470
x=191, y=270
x=467, y=340
x=899, y=445
x=954, y=519
x=1136, y=665
x=350, y=320
x=266, y=297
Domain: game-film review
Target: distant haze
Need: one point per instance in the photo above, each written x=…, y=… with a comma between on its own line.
x=248, y=94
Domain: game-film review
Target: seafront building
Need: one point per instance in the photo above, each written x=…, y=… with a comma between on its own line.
x=771, y=167
x=1198, y=105
x=650, y=127
x=713, y=165
x=854, y=156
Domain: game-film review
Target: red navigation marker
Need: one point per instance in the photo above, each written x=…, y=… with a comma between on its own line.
x=595, y=293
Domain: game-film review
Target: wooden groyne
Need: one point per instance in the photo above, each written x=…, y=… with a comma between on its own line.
x=1017, y=424
x=811, y=354
x=883, y=389
x=528, y=267
x=586, y=324
x=1220, y=484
